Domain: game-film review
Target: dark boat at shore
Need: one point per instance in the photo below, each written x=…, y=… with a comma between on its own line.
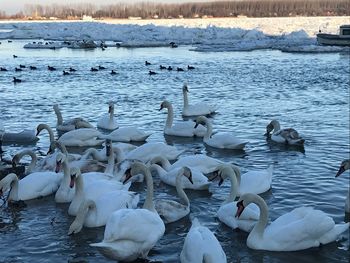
x=341, y=39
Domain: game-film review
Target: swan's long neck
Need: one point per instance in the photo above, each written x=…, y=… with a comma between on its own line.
x=110, y=165
x=179, y=188
x=14, y=187
x=259, y=228
x=234, y=187
x=79, y=187
x=111, y=114
x=61, y=147
x=119, y=153
x=347, y=202
x=185, y=98
x=59, y=115
x=66, y=171
x=49, y=130
x=170, y=117
x=237, y=174
x=276, y=126
x=149, y=198
x=164, y=162
x=209, y=130
x=33, y=160
x=83, y=211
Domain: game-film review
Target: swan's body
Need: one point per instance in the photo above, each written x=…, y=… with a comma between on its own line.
x=107, y=121
x=345, y=165
x=26, y=136
x=71, y=124
x=183, y=128
x=228, y=209
x=32, y=186
x=286, y=136
x=197, y=109
x=200, y=181
x=302, y=228
x=255, y=181
x=131, y=233
x=221, y=140
x=81, y=137
x=64, y=193
x=201, y=246
x=170, y=210
x=128, y=134
x=95, y=213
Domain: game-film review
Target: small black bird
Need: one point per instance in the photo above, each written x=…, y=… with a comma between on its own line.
x=72, y=70
x=22, y=66
x=66, y=72
x=101, y=67
x=9, y=41
x=173, y=45
x=32, y=67
x=18, y=69
x=147, y=63
x=51, y=68
x=3, y=69
x=152, y=72
x=93, y=69
x=179, y=69
x=162, y=67
x=113, y=72
x=14, y=56
x=16, y=80
x=190, y=67
x=169, y=68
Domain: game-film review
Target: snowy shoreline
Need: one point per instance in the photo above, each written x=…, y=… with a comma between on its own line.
x=291, y=34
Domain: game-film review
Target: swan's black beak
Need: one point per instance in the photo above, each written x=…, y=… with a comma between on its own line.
x=37, y=133
x=221, y=181
x=215, y=174
x=127, y=176
x=110, y=109
x=240, y=208
x=341, y=170
x=161, y=107
x=196, y=125
x=14, y=164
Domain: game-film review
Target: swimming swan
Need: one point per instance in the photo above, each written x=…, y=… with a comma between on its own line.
x=201, y=246
x=81, y=137
x=285, y=136
x=302, y=228
x=183, y=128
x=132, y=233
x=71, y=124
x=228, y=209
x=127, y=134
x=170, y=210
x=345, y=165
x=221, y=140
x=197, y=109
x=107, y=121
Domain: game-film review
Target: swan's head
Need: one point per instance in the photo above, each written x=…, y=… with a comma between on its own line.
x=109, y=148
x=55, y=107
x=245, y=200
x=15, y=160
x=74, y=173
x=185, y=87
x=39, y=128
x=188, y=173
x=7, y=182
x=110, y=106
x=164, y=104
x=345, y=165
x=201, y=120
x=271, y=126
x=223, y=171
x=136, y=167
x=60, y=158
x=159, y=160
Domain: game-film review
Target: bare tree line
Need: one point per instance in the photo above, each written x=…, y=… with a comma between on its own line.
x=250, y=8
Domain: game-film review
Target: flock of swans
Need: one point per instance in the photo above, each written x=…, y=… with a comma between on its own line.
x=99, y=194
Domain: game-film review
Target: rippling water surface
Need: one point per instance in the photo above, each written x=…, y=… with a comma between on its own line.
x=309, y=92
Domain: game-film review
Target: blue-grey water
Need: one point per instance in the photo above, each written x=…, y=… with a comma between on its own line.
x=309, y=92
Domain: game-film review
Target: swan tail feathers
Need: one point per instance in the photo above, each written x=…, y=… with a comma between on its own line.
x=334, y=234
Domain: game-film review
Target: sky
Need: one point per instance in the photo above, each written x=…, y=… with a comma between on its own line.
x=13, y=6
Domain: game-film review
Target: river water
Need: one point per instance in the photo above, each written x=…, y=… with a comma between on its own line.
x=309, y=92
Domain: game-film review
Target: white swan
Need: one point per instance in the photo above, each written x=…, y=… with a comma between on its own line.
x=32, y=167
x=201, y=245
x=228, y=209
x=170, y=210
x=26, y=136
x=107, y=121
x=199, y=180
x=72, y=124
x=195, y=109
x=302, y=228
x=81, y=137
x=200, y=162
x=254, y=181
x=95, y=213
x=127, y=134
x=64, y=193
x=90, y=187
x=132, y=233
x=345, y=165
x=32, y=186
x=221, y=140
x=183, y=128
x=285, y=136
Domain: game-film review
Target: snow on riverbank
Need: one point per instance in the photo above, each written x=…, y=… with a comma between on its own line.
x=287, y=34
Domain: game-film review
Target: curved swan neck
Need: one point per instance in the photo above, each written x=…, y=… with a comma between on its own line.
x=179, y=188
x=13, y=182
x=58, y=114
x=83, y=211
x=237, y=173
x=234, y=185
x=33, y=160
x=259, y=228
x=79, y=186
x=66, y=170
x=111, y=113
x=61, y=147
x=184, y=92
x=120, y=156
x=49, y=130
x=149, y=181
x=170, y=117
x=209, y=127
x=276, y=125
x=110, y=166
x=164, y=162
